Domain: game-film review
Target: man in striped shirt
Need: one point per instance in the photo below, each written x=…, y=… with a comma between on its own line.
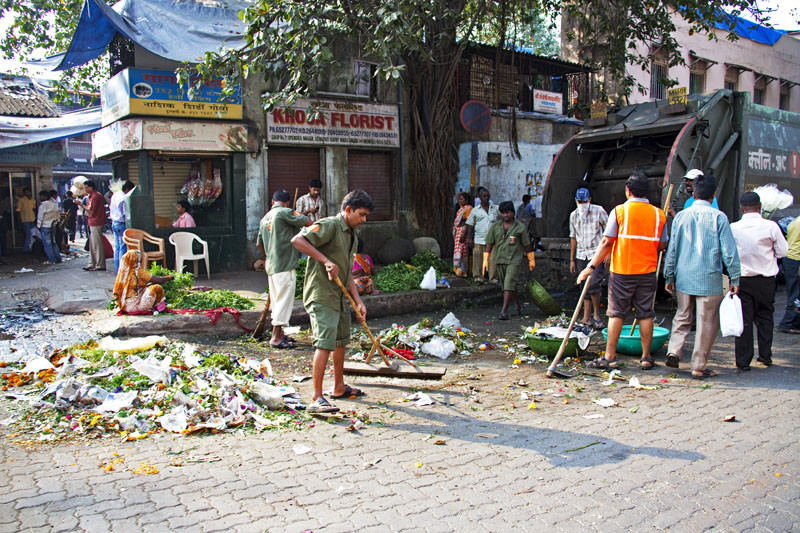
x=701, y=243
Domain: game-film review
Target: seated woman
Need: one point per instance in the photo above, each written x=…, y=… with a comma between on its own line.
x=136, y=290
x=362, y=271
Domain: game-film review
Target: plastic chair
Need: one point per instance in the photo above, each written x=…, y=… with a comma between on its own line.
x=135, y=239
x=183, y=241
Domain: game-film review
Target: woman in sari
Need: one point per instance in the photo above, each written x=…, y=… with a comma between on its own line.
x=362, y=271
x=135, y=289
x=460, y=248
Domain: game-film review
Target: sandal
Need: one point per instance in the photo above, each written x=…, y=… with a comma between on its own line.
x=602, y=363
x=283, y=345
x=503, y=316
x=321, y=405
x=647, y=363
x=705, y=374
x=349, y=392
x=597, y=324
x=673, y=361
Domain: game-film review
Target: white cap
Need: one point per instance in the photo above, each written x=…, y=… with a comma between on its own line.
x=693, y=174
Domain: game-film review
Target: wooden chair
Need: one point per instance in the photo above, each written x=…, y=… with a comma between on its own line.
x=135, y=239
x=183, y=241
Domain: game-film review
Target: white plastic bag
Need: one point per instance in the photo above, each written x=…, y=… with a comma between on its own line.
x=450, y=321
x=439, y=347
x=429, y=281
x=731, y=323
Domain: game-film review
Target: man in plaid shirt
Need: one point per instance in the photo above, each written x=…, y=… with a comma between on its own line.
x=586, y=226
x=311, y=205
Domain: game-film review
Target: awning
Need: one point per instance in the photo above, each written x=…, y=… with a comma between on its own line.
x=19, y=131
x=180, y=31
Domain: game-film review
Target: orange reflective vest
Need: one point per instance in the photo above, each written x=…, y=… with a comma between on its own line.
x=636, y=249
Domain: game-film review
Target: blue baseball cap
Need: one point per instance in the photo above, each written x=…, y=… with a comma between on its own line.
x=582, y=195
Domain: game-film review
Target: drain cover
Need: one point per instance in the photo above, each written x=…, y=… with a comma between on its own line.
x=85, y=295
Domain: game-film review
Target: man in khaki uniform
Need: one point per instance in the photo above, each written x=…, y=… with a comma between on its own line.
x=275, y=234
x=330, y=245
x=506, y=240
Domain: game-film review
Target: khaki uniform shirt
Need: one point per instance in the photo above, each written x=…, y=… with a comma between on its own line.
x=275, y=232
x=336, y=241
x=305, y=203
x=508, y=245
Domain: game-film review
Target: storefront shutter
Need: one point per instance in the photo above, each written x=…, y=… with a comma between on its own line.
x=372, y=172
x=168, y=179
x=292, y=169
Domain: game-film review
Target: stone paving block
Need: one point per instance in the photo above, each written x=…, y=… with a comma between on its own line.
x=39, y=500
x=161, y=515
x=125, y=525
x=13, y=496
x=192, y=521
x=94, y=523
x=62, y=520
x=129, y=511
x=226, y=523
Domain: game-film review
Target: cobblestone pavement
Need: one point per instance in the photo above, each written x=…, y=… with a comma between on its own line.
x=479, y=459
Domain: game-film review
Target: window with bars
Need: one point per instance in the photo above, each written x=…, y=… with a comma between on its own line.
x=697, y=82
x=731, y=78
x=730, y=85
x=366, y=84
x=658, y=74
x=759, y=92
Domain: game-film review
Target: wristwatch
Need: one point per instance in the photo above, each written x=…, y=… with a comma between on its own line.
x=592, y=266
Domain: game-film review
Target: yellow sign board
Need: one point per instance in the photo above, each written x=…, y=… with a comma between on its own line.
x=599, y=110
x=677, y=95
x=177, y=108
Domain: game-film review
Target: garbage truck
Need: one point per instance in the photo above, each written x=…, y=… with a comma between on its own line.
x=743, y=145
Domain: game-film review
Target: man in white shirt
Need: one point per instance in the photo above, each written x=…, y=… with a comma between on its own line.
x=116, y=209
x=48, y=215
x=586, y=226
x=760, y=244
x=478, y=223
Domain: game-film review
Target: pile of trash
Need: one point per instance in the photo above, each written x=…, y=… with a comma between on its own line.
x=562, y=321
x=137, y=387
x=422, y=338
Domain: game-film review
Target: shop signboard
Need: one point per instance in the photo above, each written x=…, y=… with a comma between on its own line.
x=157, y=93
x=44, y=153
x=547, y=102
x=336, y=123
x=171, y=136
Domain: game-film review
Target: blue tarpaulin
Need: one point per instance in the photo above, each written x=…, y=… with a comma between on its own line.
x=178, y=30
x=750, y=30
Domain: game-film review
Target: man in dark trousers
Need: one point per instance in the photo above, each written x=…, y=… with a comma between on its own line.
x=96, y=210
x=760, y=244
x=330, y=245
x=71, y=208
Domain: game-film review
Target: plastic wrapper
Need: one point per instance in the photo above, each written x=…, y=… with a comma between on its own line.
x=138, y=344
x=36, y=365
x=429, y=280
x=266, y=395
x=175, y=421
x=157, y=371
x=450, y=321
x=117, y=401
x=439, y=347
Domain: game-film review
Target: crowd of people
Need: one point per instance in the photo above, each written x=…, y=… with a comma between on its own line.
x=705, y=260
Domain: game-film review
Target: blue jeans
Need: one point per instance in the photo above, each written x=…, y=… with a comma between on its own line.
x=50, y=248
x=28, y=227
x=120, y=248
x=791, y=319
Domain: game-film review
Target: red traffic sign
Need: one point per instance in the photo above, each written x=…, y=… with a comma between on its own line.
x=475, y=117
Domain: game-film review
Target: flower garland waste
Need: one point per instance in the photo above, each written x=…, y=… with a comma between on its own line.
x=137, y=389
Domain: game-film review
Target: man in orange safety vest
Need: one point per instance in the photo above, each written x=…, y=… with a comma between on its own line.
x=634, y=236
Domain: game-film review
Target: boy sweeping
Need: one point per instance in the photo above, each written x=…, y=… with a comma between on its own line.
x=507, y=238
x=330, y=245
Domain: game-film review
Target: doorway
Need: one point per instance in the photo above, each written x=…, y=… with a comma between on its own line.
x=12, y=183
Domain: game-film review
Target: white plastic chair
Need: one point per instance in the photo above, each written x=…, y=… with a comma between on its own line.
x=183, y=240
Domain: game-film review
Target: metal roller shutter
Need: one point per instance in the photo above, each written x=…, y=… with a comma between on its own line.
x=373, y=172
x=168, y=179
x=292, y=169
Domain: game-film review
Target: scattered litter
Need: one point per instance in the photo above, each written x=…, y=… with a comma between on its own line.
x=611, y=375
x=370, y=464
x=300, y=449
x=35, y=365
x=605, y=402
x=450, y=321
x=420, y=399
x=487, y=435
x=357, y=425
x=439, y=347
x=300, y=379
x=138, y=344
x=584, y=446
x=729, y=418
x=116, y=402
x=23, y=270
x=633, y=409
x=636, y=384
x=594, y=417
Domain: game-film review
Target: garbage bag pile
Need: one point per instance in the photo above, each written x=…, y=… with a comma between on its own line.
x=138, y=387
x=423, y=338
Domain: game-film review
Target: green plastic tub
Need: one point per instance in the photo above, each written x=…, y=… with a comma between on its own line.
x=549, y=347
x=632, y=345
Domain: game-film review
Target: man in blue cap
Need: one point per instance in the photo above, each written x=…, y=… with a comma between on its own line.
x=586, y=226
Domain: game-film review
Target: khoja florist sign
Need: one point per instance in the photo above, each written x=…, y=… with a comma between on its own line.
x=336, y=123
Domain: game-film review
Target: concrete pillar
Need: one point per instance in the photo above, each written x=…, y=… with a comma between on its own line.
x=336, y=182
x=772, y=98
x=141, y=201
x=794, y=99
x=746, y=82
x=257, y=203
x=715, y=77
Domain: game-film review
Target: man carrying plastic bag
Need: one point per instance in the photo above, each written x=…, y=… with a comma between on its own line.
x=760, y=244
